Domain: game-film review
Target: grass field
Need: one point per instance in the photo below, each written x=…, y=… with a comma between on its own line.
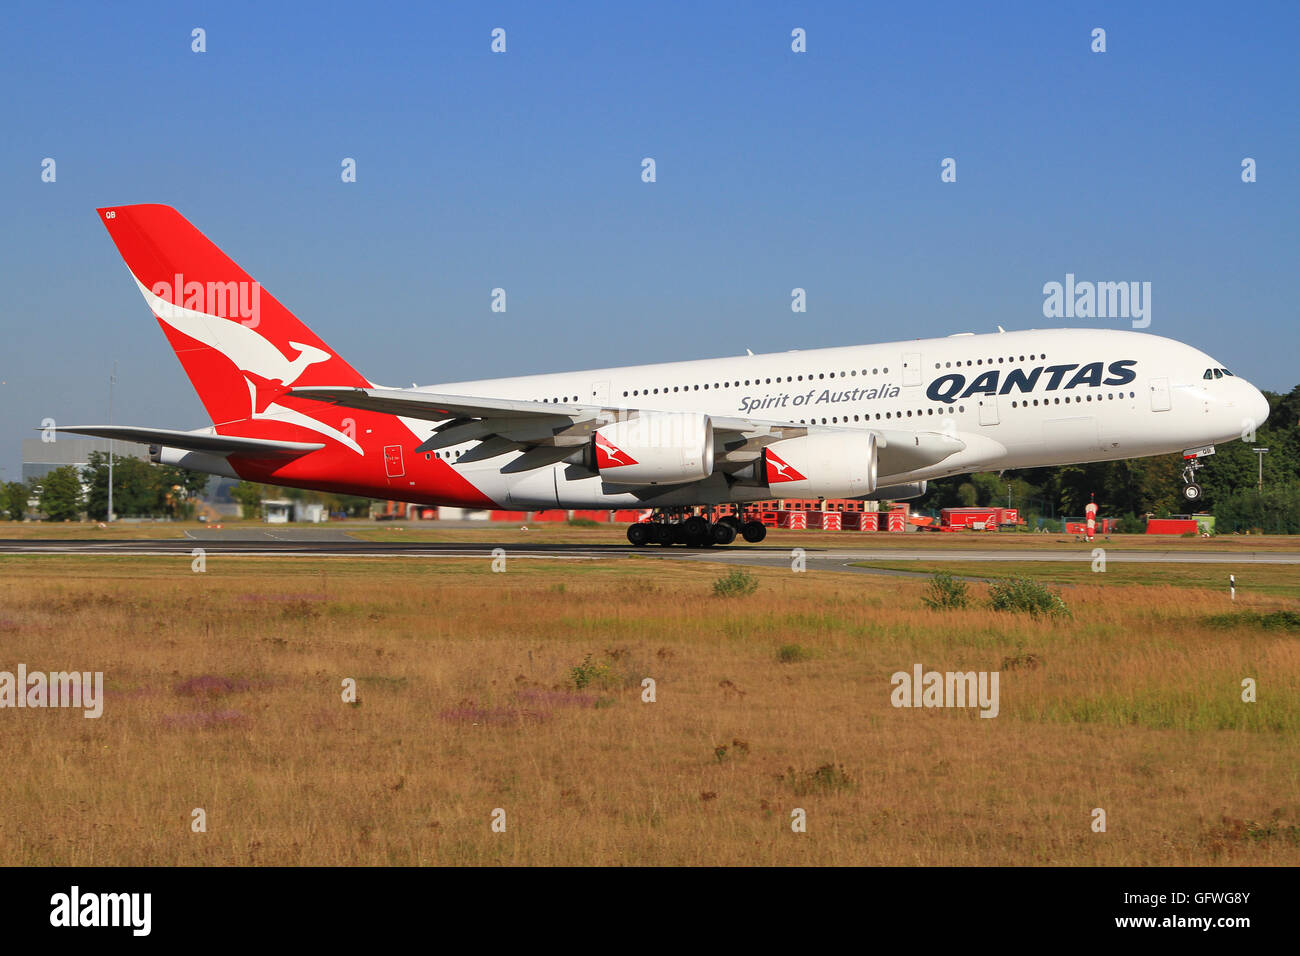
x=784, y=540
x=522, y=691
x=1282, y=580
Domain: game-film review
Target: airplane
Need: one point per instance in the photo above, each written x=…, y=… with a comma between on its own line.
x=871, y=422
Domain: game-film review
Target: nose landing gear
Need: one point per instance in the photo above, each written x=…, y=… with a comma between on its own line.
x=1192, y=464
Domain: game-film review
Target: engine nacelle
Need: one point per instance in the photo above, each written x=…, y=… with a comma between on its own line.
x=193, y=460
x=656, y=448
x=914, y=489
x=821, y=466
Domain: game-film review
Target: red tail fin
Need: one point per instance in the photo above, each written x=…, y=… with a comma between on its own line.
x=240, y=347
x=243, y=351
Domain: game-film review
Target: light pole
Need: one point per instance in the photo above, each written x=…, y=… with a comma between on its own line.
x=1261, y=452
x=112, y=380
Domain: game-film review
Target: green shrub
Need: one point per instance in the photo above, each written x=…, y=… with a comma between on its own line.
x=1271, y=620
x=828, y=778
x=793, y=653
x=1028, y=595
x=735, y=583
x=1281, y=620
x=944, y=591
x=583, y=523
x=588, y=671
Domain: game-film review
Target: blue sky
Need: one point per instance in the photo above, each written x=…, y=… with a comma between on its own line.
x=522, y=170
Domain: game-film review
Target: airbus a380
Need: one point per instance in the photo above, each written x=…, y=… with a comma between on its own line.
x=868, y=422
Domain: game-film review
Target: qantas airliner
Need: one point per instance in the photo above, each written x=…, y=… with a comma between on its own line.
x=872, y=422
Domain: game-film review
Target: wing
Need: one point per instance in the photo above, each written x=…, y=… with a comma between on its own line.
x=549, y=432
x=203, y=441
x=533, y=424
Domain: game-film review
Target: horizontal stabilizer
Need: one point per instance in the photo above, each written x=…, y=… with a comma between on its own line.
x=204, y=441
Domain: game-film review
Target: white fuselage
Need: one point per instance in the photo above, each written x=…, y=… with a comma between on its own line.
x=1016, y=399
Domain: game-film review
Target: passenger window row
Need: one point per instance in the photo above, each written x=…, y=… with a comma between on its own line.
x=788, y=379
x=885, y=416
x=1109, y=396
x=636, y=392
x=1000, y=360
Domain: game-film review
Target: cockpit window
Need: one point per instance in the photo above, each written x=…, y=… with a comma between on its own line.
x=1209, y=373
x=1218, y=373
x=1226, y=372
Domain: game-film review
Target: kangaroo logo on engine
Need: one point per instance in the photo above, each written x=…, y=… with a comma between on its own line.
x=609, y=455
x=779, y=470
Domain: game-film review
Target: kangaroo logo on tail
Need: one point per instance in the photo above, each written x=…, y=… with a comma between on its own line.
x=266, y=370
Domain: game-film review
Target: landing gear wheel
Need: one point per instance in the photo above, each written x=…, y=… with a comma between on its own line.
x=753, y=531
x=1192, y=491
x=731, y=520
x=693, y=540
x=696, y=527
x=638, y=535
x=724, y=532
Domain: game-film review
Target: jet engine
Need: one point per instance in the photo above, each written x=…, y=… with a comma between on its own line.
x=820, y=465
x=656, y=448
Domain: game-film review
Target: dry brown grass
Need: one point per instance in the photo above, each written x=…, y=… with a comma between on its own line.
x=615, y=534
x=467, y=704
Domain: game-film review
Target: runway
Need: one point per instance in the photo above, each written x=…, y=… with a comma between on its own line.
x=326, y=543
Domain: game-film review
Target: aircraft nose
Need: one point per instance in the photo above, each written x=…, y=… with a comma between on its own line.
x=1256, y=405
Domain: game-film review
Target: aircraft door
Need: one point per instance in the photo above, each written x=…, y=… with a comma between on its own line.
x=393, y=461
x=988, y=409
x=600, y=393
x=912, y=368
x=1160, y=401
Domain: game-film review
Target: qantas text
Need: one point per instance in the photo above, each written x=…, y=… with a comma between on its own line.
x=949, y=388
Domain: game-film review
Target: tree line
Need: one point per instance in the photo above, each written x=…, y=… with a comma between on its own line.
x=140, y=489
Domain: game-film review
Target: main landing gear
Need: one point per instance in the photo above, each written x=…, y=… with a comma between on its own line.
x=694, y=531
x=1192, y=464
